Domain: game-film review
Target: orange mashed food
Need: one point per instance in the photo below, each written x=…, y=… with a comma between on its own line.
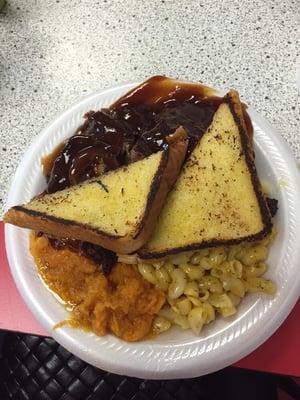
x=122, y=302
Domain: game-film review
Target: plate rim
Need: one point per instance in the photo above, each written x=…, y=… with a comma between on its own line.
x=61, y=335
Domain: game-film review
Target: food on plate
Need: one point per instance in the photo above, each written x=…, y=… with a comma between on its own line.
x=117, y=211
x=199, y=247
x=202, y=284
x=217, y=198
x=122, y=302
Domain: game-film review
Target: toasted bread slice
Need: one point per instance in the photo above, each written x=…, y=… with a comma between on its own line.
x=217, y=200
x=117, y=210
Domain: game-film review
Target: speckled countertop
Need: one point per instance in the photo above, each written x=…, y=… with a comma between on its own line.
x=54, y=52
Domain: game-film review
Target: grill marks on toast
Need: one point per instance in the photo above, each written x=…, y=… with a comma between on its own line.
x=117, y=210
x=217, y=200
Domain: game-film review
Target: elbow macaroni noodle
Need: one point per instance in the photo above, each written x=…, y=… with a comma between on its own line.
x=209, y=282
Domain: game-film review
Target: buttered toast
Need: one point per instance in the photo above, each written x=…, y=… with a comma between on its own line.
x=117, y=210
x=217, y=200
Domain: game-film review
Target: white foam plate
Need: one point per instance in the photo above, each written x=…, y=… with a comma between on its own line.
x=176, y=353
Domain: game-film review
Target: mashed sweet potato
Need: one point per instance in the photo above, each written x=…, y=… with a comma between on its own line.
x=122, y=303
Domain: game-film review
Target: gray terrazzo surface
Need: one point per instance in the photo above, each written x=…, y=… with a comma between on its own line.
x=54, y=52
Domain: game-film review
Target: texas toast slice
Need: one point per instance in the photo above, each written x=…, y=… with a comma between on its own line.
x=117, y=210
x=217, y=200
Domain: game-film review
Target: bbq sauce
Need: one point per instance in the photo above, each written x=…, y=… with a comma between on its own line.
x=132, y=128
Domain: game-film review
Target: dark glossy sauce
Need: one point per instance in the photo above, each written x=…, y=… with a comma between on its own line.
x=134, y=127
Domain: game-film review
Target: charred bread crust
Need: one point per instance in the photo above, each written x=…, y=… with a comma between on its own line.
x=165, y=177
x=155, y=256
x=232, y=99
x=168, y=171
